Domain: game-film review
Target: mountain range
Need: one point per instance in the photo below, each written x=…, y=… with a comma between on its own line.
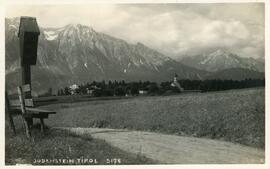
x=220, y=60
x=78, y=54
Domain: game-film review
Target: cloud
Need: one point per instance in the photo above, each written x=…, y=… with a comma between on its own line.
x=173, y=29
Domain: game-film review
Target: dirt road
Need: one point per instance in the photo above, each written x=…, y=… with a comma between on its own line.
x=171, y=149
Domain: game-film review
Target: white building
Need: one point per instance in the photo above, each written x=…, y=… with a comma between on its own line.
x=143, y=92
x=73, y=89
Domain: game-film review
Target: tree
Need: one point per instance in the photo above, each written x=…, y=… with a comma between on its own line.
x=50, y=92
x=153, y=88
x=119, y=91
x=66, y=91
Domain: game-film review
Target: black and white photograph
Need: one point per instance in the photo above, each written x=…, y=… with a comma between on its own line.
x=135, y=83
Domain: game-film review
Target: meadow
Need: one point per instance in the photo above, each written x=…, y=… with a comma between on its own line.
x=59, y=144
x=235, y=115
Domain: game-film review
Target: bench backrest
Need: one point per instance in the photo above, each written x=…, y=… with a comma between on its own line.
x=18, y=105
x=22, y=101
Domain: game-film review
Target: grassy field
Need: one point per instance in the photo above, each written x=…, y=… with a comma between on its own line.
x=59, y=144
x=234, y=115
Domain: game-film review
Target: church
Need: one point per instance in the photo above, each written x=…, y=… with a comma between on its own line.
x=176, y=84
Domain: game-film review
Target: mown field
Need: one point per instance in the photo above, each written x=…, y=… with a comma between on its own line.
x=235, y=115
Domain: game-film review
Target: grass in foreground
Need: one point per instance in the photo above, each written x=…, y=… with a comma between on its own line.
x=58, y=144
x=236, y=115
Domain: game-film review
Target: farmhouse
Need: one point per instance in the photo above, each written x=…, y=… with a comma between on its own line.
x=73, y=89
x=92, y=89
x=143, y=91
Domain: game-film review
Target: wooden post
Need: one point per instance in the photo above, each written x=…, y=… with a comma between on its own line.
x=26, y=78
x=42, y=126
x=26, y=124
x=28, y=37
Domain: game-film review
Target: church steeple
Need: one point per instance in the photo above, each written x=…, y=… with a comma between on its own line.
x=175, y=78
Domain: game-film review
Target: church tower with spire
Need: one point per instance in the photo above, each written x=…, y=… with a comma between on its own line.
x=175, y=78
x=175, y=83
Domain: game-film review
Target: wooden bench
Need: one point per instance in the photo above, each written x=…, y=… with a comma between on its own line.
x=25, y=106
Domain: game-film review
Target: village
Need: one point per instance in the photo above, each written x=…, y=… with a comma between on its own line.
x=142, y=88
x=122, y=88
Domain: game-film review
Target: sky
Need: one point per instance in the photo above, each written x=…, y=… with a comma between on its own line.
x=176, y=30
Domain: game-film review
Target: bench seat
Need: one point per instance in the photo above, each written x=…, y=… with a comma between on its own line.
x=32, y=112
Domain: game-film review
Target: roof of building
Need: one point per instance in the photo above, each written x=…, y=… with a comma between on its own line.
x=28, y=24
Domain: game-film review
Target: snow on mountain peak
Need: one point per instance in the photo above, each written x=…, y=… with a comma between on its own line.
x=13, y=26
x=219, y=52
x=50, y=35
x=220, y=59
x=79, y=28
